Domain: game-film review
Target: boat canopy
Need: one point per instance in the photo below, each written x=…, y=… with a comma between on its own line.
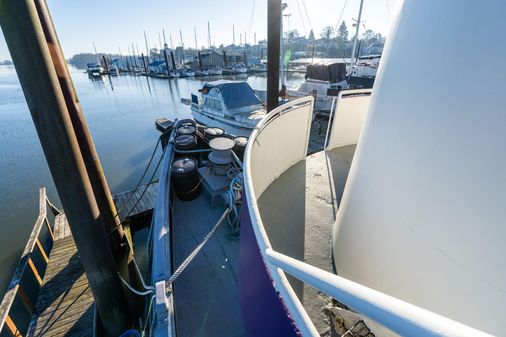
x=235, y=94
x=333, y=73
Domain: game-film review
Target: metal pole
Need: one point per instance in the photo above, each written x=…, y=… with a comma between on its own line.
x=356, y=36
x=273, y=34
x=51, y=98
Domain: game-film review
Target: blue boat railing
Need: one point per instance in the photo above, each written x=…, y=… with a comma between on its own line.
x=266, y=145
x=18, y=303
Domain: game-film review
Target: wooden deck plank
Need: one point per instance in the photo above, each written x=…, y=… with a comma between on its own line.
x=126, y=201
x=65, y=302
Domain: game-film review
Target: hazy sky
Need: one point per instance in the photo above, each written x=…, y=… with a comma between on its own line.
x=118, y=23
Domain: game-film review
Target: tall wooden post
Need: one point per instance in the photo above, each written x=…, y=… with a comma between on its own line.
x=166, y=60
x=69, y=151
x=173, y=60
x=225, y=62
x=144, y=63
x=200, y=60
x=273, y=50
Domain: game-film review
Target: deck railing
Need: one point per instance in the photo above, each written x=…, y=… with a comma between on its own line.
x=18, y=303
x=266, y=146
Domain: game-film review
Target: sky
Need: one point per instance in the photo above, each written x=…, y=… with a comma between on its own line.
x=114, y=25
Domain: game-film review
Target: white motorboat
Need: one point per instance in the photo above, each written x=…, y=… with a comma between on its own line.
x=94, y=69
x=231, y=105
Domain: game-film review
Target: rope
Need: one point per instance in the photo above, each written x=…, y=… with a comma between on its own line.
x=148, y=314
x=135, y=291
x=341, y=15
x=233, y=195
x=142, y=178
x=140, y=198
x=195, y=252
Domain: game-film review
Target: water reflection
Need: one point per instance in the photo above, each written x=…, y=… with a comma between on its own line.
x=120, y=116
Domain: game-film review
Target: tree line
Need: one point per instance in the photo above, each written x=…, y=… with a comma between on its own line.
x=333, y=42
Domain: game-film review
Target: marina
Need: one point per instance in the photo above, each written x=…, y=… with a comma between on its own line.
x=240, y=197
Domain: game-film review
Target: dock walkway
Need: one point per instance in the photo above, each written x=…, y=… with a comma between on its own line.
x=65, y=305
x=65, y=302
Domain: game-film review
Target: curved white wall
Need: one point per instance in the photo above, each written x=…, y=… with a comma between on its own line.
x=423, y=216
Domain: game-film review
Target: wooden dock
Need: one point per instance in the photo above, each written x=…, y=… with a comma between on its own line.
x=63, y=304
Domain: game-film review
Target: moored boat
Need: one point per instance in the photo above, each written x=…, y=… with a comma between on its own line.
x=228, y=104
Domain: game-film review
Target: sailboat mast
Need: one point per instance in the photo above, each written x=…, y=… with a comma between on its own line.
x=147, y=46
x=164, y=39
x=182, y=46
x=233, y=35
x=160, y=40
x=208, y=35
x=355, y=40
x=195, y=34
x=94, y=47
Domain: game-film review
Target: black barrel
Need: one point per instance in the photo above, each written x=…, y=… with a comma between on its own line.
x=185, y=178
x=211, y=133
x=208, y=134
x=186, y=129
x=240, y=146
x=185, y=143
x=187, y=121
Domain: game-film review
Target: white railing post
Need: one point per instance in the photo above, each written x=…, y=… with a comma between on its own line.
x=401, y=317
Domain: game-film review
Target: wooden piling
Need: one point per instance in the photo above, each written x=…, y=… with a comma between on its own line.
x=166, y=60
x=273, y=52
x=173, y=60
x=52, y=102
x=144, y=63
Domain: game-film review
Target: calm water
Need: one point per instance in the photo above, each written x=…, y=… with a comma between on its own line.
x=120, y=112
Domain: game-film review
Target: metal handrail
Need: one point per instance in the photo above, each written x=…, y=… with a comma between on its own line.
x=290, y=299
x=15, y=288
x=401, y=317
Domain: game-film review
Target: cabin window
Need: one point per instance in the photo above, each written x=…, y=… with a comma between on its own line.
x=213, y=103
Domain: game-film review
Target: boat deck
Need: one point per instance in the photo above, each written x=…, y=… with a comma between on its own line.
x=206, y=293
x=65, y=303
x=298, y=211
